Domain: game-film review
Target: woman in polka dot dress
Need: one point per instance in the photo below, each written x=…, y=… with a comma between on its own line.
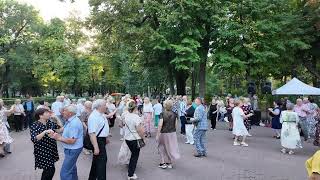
x=45, y=148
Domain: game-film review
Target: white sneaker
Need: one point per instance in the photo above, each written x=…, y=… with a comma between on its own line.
x=290, y=152
x=121, y=139
x=236, y=143
x=283, y=151
x=169, y=166
x=244, y=144
x=187, y=143
x=192, y=143
x=163, y=166
x=133, y=177
x=249, y=135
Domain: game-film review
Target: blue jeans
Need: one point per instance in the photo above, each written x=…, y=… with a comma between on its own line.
x=69, y=166
x=199, y=140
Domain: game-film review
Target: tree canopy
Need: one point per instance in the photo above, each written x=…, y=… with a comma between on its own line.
x=212, y=46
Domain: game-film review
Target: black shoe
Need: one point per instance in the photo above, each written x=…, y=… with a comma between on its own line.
x=197, y=155
x=8, y=152
x=2, y=155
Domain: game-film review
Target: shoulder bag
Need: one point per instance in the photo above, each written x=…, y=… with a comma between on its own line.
x=86, y=139
x=140, y=142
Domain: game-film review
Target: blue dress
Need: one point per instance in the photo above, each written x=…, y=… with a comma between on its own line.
x=276, y=119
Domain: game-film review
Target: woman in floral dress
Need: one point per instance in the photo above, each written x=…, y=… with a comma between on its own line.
x=290, y=137
x=317, y=134
x=247, y=109
x=4, y=133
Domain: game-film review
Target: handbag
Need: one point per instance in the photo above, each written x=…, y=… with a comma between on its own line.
x=140, y=142
x=86, y=140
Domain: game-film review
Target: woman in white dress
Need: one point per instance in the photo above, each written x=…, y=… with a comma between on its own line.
x=290, y=137
x=239, y=129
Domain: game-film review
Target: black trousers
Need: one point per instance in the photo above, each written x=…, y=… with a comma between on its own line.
x=213, y=121
x=99, y=162
x=183, y=124
x=47, y=174
x=18, y=121
x=135, y=152
x=28, y=121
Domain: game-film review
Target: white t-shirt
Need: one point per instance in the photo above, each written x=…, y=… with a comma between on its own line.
x=157, y=109
x=132, y=121
x=56, y=107
x=18, y=109
x=147, y=107
x=96, y=121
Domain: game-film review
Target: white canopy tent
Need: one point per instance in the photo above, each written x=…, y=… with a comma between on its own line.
x=296, y=87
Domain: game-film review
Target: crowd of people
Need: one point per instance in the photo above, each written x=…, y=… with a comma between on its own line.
x=85, y=126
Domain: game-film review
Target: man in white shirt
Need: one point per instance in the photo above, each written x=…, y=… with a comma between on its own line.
x=98, y=129
x=57, y=107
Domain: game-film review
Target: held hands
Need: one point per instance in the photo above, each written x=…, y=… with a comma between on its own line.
x=270, y=109
x=56, y=136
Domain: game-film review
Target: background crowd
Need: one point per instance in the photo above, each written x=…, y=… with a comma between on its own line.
x=72, y=122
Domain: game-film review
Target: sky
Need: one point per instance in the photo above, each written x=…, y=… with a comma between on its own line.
x=49, y=9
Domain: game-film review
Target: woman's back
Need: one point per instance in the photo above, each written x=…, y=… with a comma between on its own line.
x=131, y=121
x=169, y=122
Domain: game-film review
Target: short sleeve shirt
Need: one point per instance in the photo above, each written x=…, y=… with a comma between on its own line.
x=45, y=150
x=96, y=122
x=73, y=129
x=132, y=121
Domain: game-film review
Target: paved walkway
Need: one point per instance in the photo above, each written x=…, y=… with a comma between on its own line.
x=262, y=160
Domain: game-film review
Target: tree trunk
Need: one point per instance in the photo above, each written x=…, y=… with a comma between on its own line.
x=181, y=79
x=203, y=64
x=193, y=82
x=170, y=77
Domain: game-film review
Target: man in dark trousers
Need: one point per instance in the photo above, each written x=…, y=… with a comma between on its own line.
x=29, y=110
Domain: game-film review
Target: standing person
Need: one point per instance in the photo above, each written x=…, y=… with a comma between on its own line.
x=111, y=108
x=230, y=107
x=302, y=110
x=147, y=116
x=167, y=137
x=4, y=114
x=189, y=126
x=213, y=112
x=5, y=139
x=239, y=129
x=99, y=131
x=45, y=148
x=57, y=108
x=18, y=115
x=311, y=122
x=80, y=106
x=72, y=142
x=133, y=132
x=201, y=124
x=139, y=103
x=29, y=110
x=247, y=109
x=316, y=141
x=290, y=137
x=275, y=113
x=84, y=119
x=182, y=113
x=157, y=112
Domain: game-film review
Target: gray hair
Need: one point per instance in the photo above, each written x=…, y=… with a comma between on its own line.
x=98, y=103
x=88, y=104
x=290, y=106
x=71, y=108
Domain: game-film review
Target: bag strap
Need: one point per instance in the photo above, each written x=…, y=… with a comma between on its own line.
x=101, y=130
x=129, y=129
